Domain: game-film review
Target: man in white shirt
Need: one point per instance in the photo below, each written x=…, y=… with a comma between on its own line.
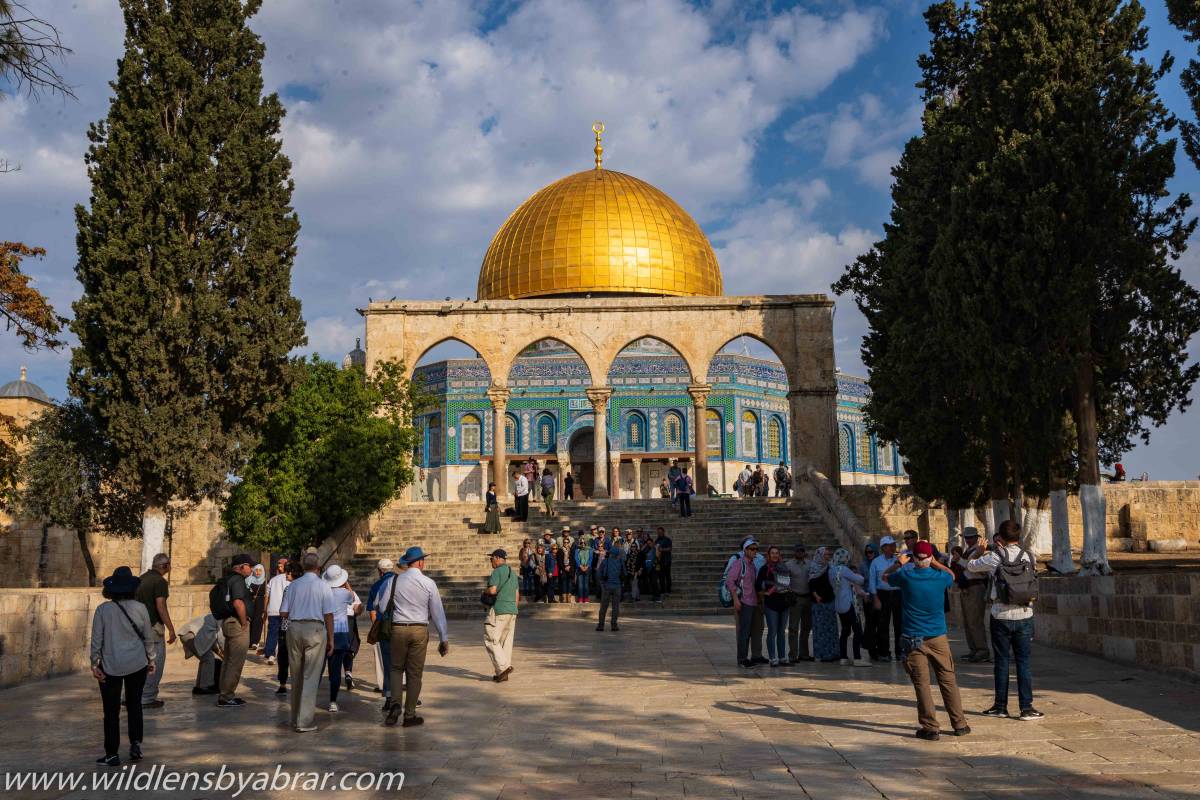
x=886, y=601
x=309, y=608
x=521, y=493
x=275, y=588
x=418, y=605
x=1012, y=623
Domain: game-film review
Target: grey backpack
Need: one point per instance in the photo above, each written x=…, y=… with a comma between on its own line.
x=1016, y=581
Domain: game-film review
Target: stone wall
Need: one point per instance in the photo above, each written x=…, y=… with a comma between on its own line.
x=197, y=546
x=1139, y=514
x=1150, y=619
x=47, y=632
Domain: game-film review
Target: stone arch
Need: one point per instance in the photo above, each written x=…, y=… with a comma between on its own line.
x=613, y=348
x=417, y=350
x=586, y=352
x=634, y=431
x=780, y=350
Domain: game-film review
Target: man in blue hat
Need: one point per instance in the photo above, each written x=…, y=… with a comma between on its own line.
x=418, y=604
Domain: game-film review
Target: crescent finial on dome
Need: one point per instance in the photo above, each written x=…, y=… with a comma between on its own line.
x=598, y=129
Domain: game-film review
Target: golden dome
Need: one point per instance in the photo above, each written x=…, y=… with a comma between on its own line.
x=599, y=232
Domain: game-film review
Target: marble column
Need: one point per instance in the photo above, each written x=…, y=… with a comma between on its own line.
x=637, y=478
x=564, y=465
x=699, y=393
x=598, y=395
x=499, y=396
x=614, y=475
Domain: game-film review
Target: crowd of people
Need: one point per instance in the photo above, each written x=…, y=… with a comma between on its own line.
x=890, y=605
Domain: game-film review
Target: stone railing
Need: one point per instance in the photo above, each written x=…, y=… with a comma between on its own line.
x=47, y=632
x=833, y=508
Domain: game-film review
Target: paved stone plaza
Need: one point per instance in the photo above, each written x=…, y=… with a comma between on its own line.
x=658, y=710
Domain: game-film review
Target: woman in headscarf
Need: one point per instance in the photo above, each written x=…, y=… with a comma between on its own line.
x=846, y=584
x=491, y=508
x=823, y=613
x=256, y=581
x=773, y=585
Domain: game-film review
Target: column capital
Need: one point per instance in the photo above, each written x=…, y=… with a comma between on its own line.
x=636, y=459
x=598, y=395
x=499, y=396
x=699, y=393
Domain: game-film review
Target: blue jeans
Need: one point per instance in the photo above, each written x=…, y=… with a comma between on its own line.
x=776, y=633
x=272, y=636
x=337, y=661
x=385, y=655
x=582, y=581
x=1017, y=636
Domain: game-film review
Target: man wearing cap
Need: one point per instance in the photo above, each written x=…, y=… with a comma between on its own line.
x=500, y=626
x=740, y=575
x=800, y=609
x=886, y=601
x=925, y=645
x=308, y=606
x=417, y=604
x=236, y=628
x=377, y=601
x=972, y=593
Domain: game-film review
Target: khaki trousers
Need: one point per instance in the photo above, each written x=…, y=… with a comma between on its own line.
x=306, y=644
x=934, y=655
x=409, y=643
x=237, y=642
x=974, y=609
x=499, y=630
x=150, y=692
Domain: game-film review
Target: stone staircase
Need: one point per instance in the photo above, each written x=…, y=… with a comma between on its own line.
x=450, y=533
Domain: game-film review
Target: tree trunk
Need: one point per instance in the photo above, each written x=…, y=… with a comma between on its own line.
x=953, y=528
x=1094, y=560
x=989, y=522
x=154, y=527
x=1035, y=534
x=968, y=519
x=86, y=552
x=1060, y=528
x=44, y=556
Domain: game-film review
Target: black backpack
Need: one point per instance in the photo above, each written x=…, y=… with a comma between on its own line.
x=218, y=600
x=1016, y=581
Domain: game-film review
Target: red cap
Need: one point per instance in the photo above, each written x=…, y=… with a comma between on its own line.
x=923, y=550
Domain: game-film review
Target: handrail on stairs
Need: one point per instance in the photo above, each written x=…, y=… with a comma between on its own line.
x=848, y=529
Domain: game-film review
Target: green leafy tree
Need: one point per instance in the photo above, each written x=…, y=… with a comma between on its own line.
x=63, y=480
x=185, y=256
x=338, y=449
x=1185, y=15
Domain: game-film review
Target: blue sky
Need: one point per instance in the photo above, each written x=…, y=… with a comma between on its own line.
x=415, y=128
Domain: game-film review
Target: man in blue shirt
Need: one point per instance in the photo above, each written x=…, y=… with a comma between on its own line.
x=923, y=642
x=885, y=600
x=611, y=570
x=377, y=601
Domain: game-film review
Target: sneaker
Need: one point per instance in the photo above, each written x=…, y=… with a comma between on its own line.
x=411, y=721
x=271, y=660
x=135, y=751
x=614, y=627
x=928, y=735
x=305, y=728
x=996, y=711
x=962, y=731
x=233, y=702
x=281, y=690
x=845, y=662
x=349, y=682
x=333, y=708
x=745, y=662
x=1030, y=713
x=109, y=761
x=599, y=627
x=394, y=714
x=774, y=662
x=154, y=704
x=503, y=676
x=861, y=662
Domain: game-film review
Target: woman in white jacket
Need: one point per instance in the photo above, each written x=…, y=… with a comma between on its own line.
x=846, y=583
x=122, y=655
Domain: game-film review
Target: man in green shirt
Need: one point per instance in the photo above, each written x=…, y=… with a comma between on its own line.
x=500, y=627
x=152, y=592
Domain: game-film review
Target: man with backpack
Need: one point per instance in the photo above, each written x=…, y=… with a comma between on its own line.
x=231, y=604
x=1014, y=590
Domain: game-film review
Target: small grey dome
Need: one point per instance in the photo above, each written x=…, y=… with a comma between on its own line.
x=24, y=388
x=356, y=357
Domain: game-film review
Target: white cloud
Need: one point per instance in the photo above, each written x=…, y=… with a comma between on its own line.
x=864, y=135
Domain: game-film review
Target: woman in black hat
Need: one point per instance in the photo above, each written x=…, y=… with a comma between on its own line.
x=122, y=656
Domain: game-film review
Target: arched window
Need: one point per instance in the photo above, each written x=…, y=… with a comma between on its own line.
x=511, y=440
x=712, y=422
x=469, y=435
x=846, y=447
x=886, y=462
x=673, y=431
x=774, y=438
x=749, y=435
x=635, y=432
x=545, y=433
x=866, y=447
x=434, y=438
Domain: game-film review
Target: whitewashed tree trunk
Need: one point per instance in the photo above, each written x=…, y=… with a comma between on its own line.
x=1035, y=533
x=1094, y=560
x=1018, y=508
x=989, y=522
x=154, y=528
x=968, y=519
x=1060, y=533
x=953, y=527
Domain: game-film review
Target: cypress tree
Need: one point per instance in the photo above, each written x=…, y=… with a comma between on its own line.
x=185, y=256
